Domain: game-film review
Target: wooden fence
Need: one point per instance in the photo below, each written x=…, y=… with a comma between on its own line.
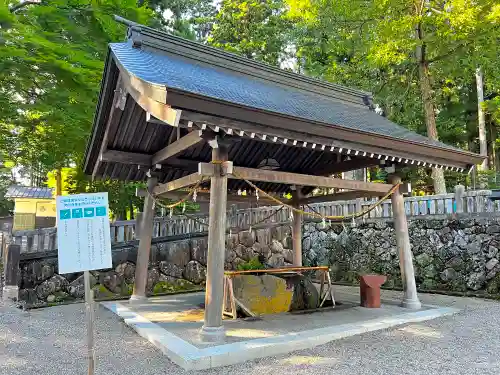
x=460, y=202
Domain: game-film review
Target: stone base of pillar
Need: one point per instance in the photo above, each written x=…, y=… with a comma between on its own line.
x=10, y=293
x=213, y=334
x=137, y=299
x=413, y=304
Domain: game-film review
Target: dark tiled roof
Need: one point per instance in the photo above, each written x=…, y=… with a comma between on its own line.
x=16, y=191
x=179, y=73
x=308, y=125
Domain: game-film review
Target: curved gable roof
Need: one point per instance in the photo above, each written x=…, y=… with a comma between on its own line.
x=168, y=76
x=175, y=72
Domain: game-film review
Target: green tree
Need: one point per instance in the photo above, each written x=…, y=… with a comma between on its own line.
x=255, y=29
x=190, y=19
x=414, y=55
x=6, y=179
x=51, y=61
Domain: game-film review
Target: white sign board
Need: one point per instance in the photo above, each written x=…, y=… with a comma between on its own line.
x=83, y=238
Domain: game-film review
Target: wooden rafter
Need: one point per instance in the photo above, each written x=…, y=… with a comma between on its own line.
x=133, y=158
x=177, y=147
x=126, y=157
x=111, y=119
x=344, y=138
x=297, y=139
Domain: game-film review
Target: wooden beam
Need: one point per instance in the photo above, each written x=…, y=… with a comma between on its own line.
x=151, y=90
x=343, y=196
x=154, y=120
x=160, y=110
x=190, y=179
x=176, y=195
x=145, y=160
x=307, y=180
x=184, y=164
x=126, y=157
x=177, y=147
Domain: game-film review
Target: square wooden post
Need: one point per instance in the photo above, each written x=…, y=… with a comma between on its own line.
x=11, y=272
x=297, y=229
x=145, y=235
x=213, y=329
x=410, y=297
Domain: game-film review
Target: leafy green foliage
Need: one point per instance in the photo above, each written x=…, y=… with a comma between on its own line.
x=51, y=62
x=191, y=19
x=6, y=205
x=252, y=264
x=255, y=29
x=373, y=45
x=52, y=56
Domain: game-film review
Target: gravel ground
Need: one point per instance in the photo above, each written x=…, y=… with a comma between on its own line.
x=52, y=341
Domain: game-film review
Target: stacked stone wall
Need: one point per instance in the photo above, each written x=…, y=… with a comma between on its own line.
x=450, y=253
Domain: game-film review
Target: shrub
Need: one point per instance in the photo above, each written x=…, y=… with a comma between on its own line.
x=252, y=264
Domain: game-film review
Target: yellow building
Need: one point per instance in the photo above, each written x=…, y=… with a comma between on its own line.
x=34, y=207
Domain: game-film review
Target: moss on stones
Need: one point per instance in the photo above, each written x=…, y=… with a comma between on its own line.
x=101, y=292
x=493, y=286
x=429, y=284
x=178, y=285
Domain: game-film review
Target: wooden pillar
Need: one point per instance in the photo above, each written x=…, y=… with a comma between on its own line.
x=146, y=233
x=212, y=329
x=297, y=229
x=12, y=255
x=138, y=223
x=410, y=297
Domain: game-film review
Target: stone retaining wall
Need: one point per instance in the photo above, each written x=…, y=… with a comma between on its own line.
x=174, y=266
x=454, y=254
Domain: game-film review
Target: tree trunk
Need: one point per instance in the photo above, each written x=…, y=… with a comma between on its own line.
x=492, y=153
x=32, y=176
x=58, y=182
x=428, y=104
x=483, y=145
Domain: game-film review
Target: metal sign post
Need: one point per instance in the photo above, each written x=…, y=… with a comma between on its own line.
x=84, y=244
x=89, y=309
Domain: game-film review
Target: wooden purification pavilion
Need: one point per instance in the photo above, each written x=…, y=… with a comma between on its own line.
x=174, y=112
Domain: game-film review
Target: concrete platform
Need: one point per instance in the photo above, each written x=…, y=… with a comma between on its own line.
x=172, y=324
